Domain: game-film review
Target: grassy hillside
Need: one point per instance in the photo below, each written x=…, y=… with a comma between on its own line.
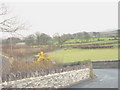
x=74, y=55
x=91, y=41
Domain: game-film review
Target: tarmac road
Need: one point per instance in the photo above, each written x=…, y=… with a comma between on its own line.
x=106, y=78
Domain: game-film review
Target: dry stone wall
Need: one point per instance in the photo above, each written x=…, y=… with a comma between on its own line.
x=56, y=80
x=27, y=74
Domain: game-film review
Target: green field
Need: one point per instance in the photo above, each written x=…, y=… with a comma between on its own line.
x=73, y=55
x=93, y=42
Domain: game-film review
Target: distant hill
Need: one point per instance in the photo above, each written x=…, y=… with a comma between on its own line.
x=113, y=33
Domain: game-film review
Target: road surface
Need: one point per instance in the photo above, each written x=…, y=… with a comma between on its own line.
x=106, y=78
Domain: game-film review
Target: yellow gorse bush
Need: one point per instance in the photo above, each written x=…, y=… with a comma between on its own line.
x=43, y=57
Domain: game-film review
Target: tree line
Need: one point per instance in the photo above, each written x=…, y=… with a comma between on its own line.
x=57, y=39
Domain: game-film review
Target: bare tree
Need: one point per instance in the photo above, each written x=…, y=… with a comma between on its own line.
x=38, y=38
x=94, y=34
x=42, y=39
x=61, y=39
x=57, y=38
x=98, y=35
x=86, y=36
x=9, y=25
x=30, y=40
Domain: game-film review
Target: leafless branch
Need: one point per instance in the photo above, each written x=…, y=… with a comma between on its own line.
x=3, y=10
x=10, y=25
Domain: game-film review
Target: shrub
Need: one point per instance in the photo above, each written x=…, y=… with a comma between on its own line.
x=20, y=52
x=29, y=66
x=78, y=63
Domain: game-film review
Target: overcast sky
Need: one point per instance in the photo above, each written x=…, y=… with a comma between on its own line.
x=66, y=17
